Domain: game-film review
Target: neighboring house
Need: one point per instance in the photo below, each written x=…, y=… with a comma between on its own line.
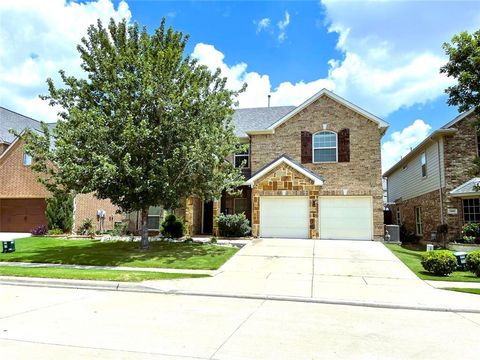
x=432, y=185
x=312, y=171
x=22, y=197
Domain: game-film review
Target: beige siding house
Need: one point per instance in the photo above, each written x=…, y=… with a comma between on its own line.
x=432, y=184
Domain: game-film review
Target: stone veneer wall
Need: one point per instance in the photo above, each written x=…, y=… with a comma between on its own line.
x=285, y=181
x=360, y=177
x=193, y=215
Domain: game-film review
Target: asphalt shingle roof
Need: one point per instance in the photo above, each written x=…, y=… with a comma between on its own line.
x=12, y=120
x=257, y=118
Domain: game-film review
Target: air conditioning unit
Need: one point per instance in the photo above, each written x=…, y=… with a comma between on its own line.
x=393, y=232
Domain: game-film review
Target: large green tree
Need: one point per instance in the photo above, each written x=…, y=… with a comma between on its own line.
x=147, y=125
x=464, y=65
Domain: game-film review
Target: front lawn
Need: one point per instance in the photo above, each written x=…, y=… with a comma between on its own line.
x=465, y=290
x=89, y=252
x=89, y=274
x=412, y=259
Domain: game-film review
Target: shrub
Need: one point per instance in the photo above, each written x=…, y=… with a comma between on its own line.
x=213, y=240
x=55, y=232
x=172, y=227
x=120, y=229
x=233, y=225
x=86, y=228
x=473, y=262
x=471, y=229
x=468, y=239
x=407, y=236
x=59, y=211
x=439, y=262
x=39, y=230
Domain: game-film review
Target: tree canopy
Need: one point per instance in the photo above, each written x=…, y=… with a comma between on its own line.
x=464, y=65
x=147, y=126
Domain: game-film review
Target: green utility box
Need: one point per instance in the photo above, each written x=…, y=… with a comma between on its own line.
x=8, y=246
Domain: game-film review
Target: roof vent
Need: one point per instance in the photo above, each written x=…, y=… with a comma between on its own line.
x=269, y=96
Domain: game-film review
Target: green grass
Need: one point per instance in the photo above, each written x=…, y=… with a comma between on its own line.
x=465, y=290
x=81, y=274
x=89, y=252
x=412, y=258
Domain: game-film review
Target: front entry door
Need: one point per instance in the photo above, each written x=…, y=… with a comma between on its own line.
x=207, y=217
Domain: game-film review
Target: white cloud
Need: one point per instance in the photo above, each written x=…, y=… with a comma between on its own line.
x=259, y=85
x=37, y=40
x=401, y=142
x=262, y=24
x=282, y=26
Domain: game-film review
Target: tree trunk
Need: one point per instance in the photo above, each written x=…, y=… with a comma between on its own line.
x=144, y=241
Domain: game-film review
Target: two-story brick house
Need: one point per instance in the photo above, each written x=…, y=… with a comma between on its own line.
x=22, y=197
x=313, y=171
x=432, y=184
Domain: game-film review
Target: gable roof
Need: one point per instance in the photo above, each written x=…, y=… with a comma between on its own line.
x=457, y=119
x=317, y=180
x=12, y=120
x=445, y=130
x=467, y=189
x=324, y=92
x=252, y=119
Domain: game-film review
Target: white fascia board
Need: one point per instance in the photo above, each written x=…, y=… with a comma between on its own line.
x=251, y=181
x=381, y=123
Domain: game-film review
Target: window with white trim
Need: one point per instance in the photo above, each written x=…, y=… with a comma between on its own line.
x=242, y=159
x=423, y=162
x=27, y=159
x=471, y=210
x=418, y=221
x=153, y=220
x=325, y=147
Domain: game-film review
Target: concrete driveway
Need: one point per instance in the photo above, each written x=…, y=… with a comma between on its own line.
x=337, y=271
x=6, y=236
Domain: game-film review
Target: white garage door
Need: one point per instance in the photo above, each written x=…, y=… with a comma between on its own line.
x=345, y=217
x=284, y=217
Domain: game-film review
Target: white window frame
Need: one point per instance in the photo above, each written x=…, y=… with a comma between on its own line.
x=418, y=221
x=467, y=210
x=159, y=218
x=324, y=148
x=27, y=159
x=247, y=154
x=423, y=162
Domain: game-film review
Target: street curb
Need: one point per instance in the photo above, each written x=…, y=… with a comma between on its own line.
x=137, y=287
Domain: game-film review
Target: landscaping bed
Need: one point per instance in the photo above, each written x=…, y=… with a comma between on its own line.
x=162, y=254
x=412, y=256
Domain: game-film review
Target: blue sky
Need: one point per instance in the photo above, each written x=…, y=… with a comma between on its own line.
x=381, y=55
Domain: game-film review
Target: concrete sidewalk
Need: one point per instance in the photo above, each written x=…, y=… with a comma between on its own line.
x=322, y=270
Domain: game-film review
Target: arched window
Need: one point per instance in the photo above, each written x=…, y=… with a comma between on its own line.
x=325, y=147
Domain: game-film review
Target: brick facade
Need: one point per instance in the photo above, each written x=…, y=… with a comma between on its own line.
x=361, y=176
x=285, y=181
x=86, y=206
x=16, y=179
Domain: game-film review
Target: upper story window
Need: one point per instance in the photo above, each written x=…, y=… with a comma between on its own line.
x=242, y=159
x=423, y=162
x=27, y=159
x=325, y=147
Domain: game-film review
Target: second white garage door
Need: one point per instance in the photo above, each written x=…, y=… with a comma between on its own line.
x=343, y=217
x=284, y=217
